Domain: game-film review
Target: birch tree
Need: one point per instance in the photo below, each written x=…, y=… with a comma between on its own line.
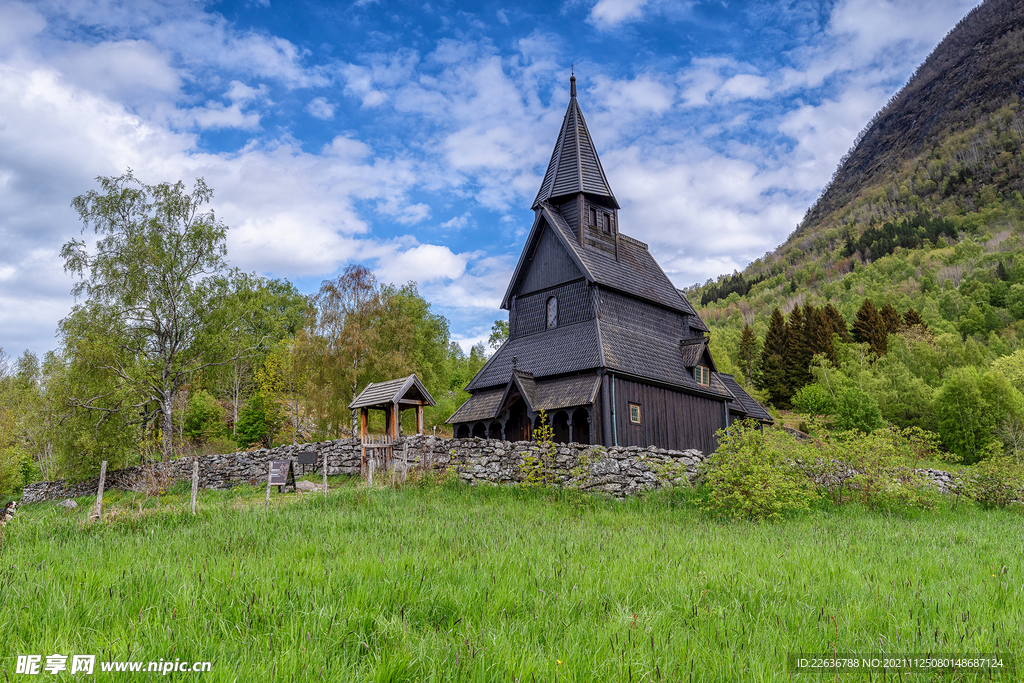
x=154, y=283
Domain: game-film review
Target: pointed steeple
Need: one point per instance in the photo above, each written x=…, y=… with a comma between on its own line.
x=574, y=165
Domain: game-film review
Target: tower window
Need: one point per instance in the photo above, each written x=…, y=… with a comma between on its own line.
x=593, y=216
x=552, y=312
x=608, y=222
x=634, y=413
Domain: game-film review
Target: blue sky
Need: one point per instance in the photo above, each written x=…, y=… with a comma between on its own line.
x=412, y=136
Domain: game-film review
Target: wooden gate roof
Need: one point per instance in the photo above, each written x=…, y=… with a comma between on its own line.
x=402, y=390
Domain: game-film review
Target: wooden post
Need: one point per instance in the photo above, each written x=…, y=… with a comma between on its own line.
x=99, y=492
x=364, y=418
x=370, y=482
x=195, y=484
x=270, y=474
x=405, y=461
x=324, y=465
x=396, y=419
x=419, y=420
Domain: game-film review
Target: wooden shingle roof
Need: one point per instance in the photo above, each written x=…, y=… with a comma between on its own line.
x=548, y=395
x=566, y=349
x=747, y=403
x=574, y=166
x=404, y=388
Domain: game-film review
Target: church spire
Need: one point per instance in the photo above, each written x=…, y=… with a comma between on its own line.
x=574, y=166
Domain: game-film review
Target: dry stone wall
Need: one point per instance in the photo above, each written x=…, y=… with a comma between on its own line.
x=621, y=471
x=617, y=471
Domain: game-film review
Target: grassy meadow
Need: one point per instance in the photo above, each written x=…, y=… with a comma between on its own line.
x=452, y=583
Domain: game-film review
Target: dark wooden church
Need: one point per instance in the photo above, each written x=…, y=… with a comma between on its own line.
x=599, y=337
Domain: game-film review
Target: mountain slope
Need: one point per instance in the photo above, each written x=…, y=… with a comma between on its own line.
x=975, y=70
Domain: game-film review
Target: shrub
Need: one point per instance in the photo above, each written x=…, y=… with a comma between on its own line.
x=754, y=475
x=995, y=481
x=204, y=417
x=12, y=468
x=856, y=410
x=814, y=400
x=258, y=422
x=879, y=468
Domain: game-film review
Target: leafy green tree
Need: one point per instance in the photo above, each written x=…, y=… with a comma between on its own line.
x=154, y=285
x=499, y=333
x=970, y=408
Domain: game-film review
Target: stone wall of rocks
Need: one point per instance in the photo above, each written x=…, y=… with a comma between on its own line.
x=622, y=471
x=618, y=471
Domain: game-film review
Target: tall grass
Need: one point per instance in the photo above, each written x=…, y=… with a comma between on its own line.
x=445, y=583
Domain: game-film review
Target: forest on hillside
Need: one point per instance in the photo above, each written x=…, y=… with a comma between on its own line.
x=169, y=352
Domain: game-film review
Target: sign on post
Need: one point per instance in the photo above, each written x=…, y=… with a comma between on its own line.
x=306, y=458
x=282, y=475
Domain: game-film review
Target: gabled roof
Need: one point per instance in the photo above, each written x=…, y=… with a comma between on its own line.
x=561, y=392
x=393, y=391
x=565, y=349
x=635, y=272
x=574, y=166
x=653, y=358
x=746, y=402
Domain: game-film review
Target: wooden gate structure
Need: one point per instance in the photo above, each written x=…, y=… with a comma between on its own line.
x=392, y=397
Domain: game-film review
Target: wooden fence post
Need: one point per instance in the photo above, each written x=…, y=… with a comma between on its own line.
x=195, y=484
x=270, y=475
x=370, y=482
x=98, y=513
x=325, y=475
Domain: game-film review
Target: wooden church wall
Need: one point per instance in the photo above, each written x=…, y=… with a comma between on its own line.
x=668, y=419
x=574, y=306
x=550, y=265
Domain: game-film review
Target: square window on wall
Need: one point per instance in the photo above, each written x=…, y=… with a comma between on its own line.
x=634, y=413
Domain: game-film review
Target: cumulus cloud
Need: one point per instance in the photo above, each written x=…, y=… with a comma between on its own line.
x=320, y=108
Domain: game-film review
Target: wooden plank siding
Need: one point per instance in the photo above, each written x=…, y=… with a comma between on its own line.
x=668, y=419
x=550, y=265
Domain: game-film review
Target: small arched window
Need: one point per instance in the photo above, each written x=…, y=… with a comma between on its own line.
x=552, y=320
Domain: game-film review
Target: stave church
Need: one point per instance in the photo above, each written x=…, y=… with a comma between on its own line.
x=599, y=337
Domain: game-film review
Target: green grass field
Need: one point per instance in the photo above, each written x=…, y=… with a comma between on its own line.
x=445, y=583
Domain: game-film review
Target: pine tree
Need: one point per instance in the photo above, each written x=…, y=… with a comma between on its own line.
x=893, y=321
x=748, y=354
x=771, y=375
x=798, y=350
x=869, y=328
x=819, y=333
x=913, y=319
x=1001, y=272
x=836, y=322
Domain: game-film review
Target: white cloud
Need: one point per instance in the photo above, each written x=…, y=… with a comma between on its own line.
x=611, y=13
x=320, y=108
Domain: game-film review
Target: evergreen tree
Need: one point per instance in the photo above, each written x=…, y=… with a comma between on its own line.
x=913, y=319
x=798, y=350
x=892, y=319
x=748, y=354
x=835, y=320
x=819, y=333
x=771, y=374
x=869, y=328
x=1001, y=272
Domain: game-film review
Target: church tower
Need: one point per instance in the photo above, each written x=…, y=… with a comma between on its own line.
x=600, y=339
